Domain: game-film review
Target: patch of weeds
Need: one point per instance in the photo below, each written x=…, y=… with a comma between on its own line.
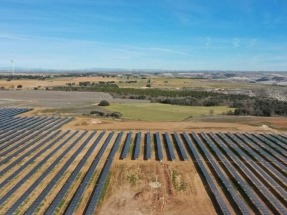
x=132, y=178
x=183, y=186
x=174, y=175
x=177, y=181
x=61, y=203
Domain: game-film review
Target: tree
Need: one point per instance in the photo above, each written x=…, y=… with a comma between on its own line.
x=104, y=103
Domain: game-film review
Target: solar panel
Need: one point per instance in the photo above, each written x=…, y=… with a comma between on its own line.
x=253, y=179
x=126, y=146
x=18, y=160
x=267, y=148
x=36, y=168
x=182, y=153
x=280, y=138
x=54, y=204
x=137, y=146
x=259, y=156
x=159, y=155
x=147, y=146
x=280, y=148
x=220, y=202
x=25, y=195
x=81, y=189
x=92, y=203
x=278, y=142
x=61, y=172
x=256, y=168
x=169, y=147
x=224, y=179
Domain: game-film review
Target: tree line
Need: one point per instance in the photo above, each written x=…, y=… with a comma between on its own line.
x=243, y=104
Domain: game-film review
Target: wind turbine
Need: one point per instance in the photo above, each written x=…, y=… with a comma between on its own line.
x=12, y=62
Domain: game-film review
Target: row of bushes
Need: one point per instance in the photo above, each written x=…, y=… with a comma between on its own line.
x=103, y=114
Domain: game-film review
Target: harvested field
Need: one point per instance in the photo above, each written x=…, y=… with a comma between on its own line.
x=42, y=84
x=68, y=101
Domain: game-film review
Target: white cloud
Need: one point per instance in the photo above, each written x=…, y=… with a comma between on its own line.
x=13, y=36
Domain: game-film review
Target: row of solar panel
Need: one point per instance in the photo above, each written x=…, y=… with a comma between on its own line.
x=224, y=179
x=277, y=189
x=260, y=170
x=248, y=172
x=239, y=181
x=17, y=147
x=73, y=203
x=10, y=138
x=53, y=206
x=10, y=112
x=134, y=147
x=210, y=182
x=37, y=167
x=225, y=144
x=27, y=123
x=60, y=173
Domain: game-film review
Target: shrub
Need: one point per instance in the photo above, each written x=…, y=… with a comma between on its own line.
x=98, y=113
x=148, y=85
x=19, y=86
x=116, y=115
x=104, y=103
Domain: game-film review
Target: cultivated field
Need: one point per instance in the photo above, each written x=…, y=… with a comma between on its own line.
x=127, y=82
x=155, y=112
x=47, y=170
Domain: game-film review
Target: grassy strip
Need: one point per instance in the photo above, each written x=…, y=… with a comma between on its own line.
x=164, y=112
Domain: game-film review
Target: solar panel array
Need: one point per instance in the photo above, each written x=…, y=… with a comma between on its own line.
x=147, y=146
x=10, y=112
x=51, y=171
x=158, y=148
x=137, y=146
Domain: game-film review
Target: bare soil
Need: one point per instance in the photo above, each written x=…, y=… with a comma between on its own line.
x=30, y=84
x=256, y=125
x=131, y=189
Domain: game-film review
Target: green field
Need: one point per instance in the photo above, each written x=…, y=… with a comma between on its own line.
x=180, y=83
x=163, y=112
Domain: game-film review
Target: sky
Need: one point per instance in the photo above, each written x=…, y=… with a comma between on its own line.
x=144, y=34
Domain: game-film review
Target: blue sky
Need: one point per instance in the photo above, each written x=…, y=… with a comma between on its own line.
x=144, y=34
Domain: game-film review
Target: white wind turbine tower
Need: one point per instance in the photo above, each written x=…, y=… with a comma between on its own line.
x=12, y=62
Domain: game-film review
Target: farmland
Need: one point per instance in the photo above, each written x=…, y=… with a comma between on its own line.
x=163, y=112
x=47, y=170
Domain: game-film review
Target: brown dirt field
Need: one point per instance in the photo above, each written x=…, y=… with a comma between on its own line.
x=254, y=125
x=131, y=190
x=30, y=84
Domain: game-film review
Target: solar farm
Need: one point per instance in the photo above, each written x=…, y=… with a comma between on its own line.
x=46, y=170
